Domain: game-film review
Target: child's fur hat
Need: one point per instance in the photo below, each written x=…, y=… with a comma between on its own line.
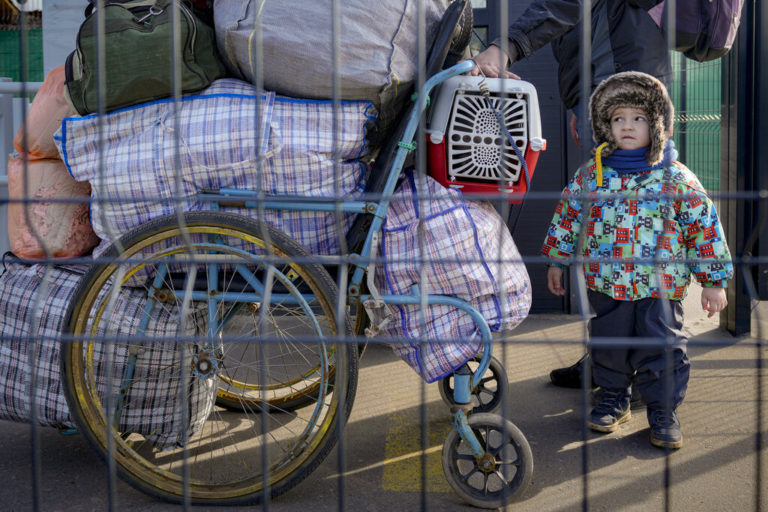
x=638, y=90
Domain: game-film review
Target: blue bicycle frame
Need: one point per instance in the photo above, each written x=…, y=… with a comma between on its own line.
x=362, y=263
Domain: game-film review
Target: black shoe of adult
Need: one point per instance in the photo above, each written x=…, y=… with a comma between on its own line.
x=569, y=377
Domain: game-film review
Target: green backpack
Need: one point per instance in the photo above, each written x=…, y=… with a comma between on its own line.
x=138, y=58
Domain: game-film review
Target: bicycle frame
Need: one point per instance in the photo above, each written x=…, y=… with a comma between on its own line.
x=364, y=261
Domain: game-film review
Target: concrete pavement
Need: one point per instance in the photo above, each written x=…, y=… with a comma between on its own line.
x=715, y=470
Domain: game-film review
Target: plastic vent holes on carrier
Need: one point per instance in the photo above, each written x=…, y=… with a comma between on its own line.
x=469, y=150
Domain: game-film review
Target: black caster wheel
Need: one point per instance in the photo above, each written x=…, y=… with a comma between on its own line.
x=490, y=392
x=503, y=473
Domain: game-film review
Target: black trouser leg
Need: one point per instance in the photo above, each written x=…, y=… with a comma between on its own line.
x=659, y=323
x=663, y=322
x=613, y=319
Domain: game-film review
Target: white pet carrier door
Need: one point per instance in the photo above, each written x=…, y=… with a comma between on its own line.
x=477, y=148
x=467, y=147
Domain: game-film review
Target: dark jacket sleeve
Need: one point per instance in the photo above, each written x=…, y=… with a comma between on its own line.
x=541, y=23
x=644, y=4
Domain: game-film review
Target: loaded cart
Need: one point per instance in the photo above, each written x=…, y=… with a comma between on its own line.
x=212, y=349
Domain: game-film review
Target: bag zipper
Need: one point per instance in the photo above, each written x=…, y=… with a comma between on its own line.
x=191, y=38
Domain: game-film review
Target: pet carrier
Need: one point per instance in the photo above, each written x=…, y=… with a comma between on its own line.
x=467, y=147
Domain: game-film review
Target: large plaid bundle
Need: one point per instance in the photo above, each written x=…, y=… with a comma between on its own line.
x=145, y=161
x=153, y=407
x=447, y=246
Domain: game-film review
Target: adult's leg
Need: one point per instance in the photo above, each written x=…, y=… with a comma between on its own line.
x=571, y=376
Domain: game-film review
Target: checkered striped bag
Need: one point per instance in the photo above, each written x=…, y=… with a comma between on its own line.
x=145, y=161
x=33, y=305
x=448, y=246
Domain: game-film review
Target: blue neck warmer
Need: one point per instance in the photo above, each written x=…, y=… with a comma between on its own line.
x=625, y=161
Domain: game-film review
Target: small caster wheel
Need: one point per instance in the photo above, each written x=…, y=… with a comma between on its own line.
x=489, y=393
x=502, y=475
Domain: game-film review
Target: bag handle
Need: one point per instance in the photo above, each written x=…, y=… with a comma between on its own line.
x=128, y=4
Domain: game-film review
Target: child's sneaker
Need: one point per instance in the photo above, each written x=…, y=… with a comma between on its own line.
x=611, y=411
x=665, y=428
x=635, y=400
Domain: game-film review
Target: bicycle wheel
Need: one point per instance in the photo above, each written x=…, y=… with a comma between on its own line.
x=489, y=393
x=290, y=387
x=501, y=475
x=294, y=376
x=154, y=330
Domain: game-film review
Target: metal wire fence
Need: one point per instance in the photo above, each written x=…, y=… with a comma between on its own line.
x=286, y=302
x=695, y=91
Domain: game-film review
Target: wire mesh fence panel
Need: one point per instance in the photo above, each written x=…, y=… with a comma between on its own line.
x=334, y=256
x=695, y=92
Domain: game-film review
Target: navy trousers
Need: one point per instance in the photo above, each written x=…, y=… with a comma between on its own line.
x=648, y=361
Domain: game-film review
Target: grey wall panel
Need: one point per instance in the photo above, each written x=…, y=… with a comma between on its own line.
x=61, y=20
x=551, y=171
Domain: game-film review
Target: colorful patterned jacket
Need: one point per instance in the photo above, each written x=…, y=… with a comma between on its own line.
x=636, y=222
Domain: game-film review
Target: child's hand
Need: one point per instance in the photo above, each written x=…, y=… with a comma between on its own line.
x=555, y=280
x=713, y=300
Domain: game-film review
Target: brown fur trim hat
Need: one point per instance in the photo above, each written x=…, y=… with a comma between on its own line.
x=638, y=90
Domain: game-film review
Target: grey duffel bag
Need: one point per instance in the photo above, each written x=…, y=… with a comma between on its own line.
x=378, y=42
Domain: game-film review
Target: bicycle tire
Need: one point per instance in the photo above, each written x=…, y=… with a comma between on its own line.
x=463, y=31
x=270, y=450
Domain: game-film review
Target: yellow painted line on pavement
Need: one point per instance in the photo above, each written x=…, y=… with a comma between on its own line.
x=403, y=454
x=385, y=462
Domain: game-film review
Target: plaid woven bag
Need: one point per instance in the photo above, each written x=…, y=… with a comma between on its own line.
x=447, y=246
x=33, y=305
x=146, y=161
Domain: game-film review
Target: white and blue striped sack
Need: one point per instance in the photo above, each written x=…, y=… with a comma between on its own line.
x=146, y=161
x=34, y=304
x=435, y=239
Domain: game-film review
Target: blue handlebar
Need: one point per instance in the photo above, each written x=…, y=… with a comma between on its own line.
x=461, y=68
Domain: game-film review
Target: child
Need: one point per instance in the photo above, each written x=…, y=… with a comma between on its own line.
x=647, y=225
